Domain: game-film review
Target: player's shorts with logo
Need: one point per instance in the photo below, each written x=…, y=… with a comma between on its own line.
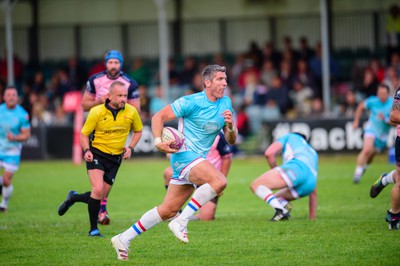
x=105, y=162
x=298, y=176
x=181, y=164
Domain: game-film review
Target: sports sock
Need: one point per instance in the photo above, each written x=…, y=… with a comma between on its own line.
x=103, y=205
x=282, y=201
x=147, y=221
x=84, y=197
x=266, y=195
x=6, y=195
x=93, y=208
x=201, y=196
x=359, y=171
x=388, y=179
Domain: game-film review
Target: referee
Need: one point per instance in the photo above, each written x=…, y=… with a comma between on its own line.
x=111, y=123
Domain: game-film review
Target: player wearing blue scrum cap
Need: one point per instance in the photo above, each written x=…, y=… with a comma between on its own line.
x=98, y=84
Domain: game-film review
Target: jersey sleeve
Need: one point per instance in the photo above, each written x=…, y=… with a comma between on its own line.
x=133, y=92
x=25, y=120
x=369, y=102
x=90, y=123
x=182, y=106
x=282, y=140
x=90, y=85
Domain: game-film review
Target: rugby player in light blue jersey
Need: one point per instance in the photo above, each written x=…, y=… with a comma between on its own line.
x=376, y=130
x=201, y=116
x=14, y=129
x=295, y=178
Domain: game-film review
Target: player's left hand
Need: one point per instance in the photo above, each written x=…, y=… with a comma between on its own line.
x=228, y=117
x=127, y=153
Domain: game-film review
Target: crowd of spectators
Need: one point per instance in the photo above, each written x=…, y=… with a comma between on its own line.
x=264, y=83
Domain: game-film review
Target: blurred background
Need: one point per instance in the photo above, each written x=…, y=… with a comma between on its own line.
x=271, y=48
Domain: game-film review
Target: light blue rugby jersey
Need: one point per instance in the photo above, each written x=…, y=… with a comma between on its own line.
x=12, y=120
x=295, y=146
x=375, y=106
x=200, y=120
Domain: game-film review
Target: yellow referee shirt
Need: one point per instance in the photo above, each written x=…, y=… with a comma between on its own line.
x=111, y=131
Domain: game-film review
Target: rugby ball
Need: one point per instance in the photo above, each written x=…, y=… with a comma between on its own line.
x=170, y=133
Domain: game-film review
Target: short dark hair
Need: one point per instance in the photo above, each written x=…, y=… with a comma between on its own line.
x=302, y=135
x=383, y=85
x=210, y=70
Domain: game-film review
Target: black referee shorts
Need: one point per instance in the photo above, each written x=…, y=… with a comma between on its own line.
x=105, y=162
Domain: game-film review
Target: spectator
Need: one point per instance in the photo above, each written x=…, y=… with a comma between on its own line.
x=377, y=69
x=269, y=53
x=145, y=101
x=304, y=75
x=173, y=73
x=279, y=94
x=288, y=52
x=301, y=96
x=158, y=101
x=99, y=66
x=268, y=71
x=243, y=122
x=370, y=84
x=392, y=80
x=76, y=73
x=139, y=72
x=347, y=106
x=237, y=68
x=286, y=73
x=305, y=52
x=255, y=54
x=38, y=84
x=316, y=68
x=188, y=72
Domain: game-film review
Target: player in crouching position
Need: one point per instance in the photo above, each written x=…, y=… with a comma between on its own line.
x=201, y=116
x=393, y=215
x=295, y=178
x=111, y=123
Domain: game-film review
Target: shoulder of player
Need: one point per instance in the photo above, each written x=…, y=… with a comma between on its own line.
x=20, y=110
x=97, y=75
x=128, y=79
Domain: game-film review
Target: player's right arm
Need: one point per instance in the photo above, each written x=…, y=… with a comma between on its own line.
x=272, y=152
x=357, y=114
x=89, y=100
x=157, y=124
x=87, y=129
x=313, y=205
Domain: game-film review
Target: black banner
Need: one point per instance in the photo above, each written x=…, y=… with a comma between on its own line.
x=328, y=135
x=35, y=148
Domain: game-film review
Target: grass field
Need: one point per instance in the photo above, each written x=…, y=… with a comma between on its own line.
x=349, y=230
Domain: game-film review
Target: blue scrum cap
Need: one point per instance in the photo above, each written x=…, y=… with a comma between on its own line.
x=115, y=54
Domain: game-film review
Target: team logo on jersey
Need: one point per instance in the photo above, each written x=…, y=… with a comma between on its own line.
x=210, y=127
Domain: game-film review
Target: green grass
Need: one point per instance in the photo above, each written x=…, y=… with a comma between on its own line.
x=349, y=230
